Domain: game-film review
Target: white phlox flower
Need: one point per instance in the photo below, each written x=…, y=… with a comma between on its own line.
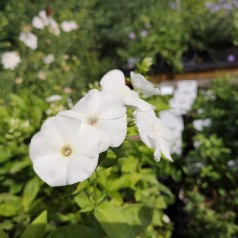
x=68, y=26
x=54, y=27
x=114, y=89
x=153, y=133
x=141, y=85
x=10, y=60
x=65, y=151
x=42, y=20
x=49, y=59
x=108, y=118
x=29, y=39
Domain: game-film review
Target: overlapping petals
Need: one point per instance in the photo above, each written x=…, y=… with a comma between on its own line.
x=65, y=151
x=115, y=89
x=105, y=116
x=153, y=133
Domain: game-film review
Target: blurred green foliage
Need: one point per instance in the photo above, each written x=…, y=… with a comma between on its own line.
x=210, y=174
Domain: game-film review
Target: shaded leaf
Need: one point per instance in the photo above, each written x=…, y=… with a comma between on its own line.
x=74, y=231
x=37, y=228
x=30, y=191
x=126, y=222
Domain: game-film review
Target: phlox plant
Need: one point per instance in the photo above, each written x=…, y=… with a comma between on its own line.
x=66, y=149
x=95, y=145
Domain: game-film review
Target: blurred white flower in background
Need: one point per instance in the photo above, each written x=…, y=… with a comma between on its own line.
x=49, y=59
x=199, y=124
x=42, y=20
x=68, y=26
x=53, y=98
x=184, y=96
x=54, y=27
x=10, y=60
x=166, y=90
x=65, y=151
x=38, y=23
x=29, y=39
x=174, y=122
x=41, y=75
x=141, y=85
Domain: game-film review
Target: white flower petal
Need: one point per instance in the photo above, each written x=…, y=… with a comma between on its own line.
x=10, y=60
x=132, y=99
x=115, y=129
x=114, y=79
x=68, y=26
x=112, y=111
x=81, y=168
x=153, y=133
x=156, y=145
x=87, y=141
x=52, y=169
x=113, y=95
x=89, y=104
x=47, y=142
x=68, y=127
x=164, y=145
x=145, y=119
x=104, y=138
x=162, y=130
x=73, y=114
x=142, y=85
x=38, y=23
x=29, y=39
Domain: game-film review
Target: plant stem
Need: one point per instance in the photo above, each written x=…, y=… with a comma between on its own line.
x=95, y=191
x=133, y=138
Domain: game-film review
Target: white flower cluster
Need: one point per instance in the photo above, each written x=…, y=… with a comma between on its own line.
x=67, y=148
x=10, y=60
x=43, y=20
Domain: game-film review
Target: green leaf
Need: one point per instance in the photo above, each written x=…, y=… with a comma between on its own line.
x=81, y=186
x=129, y=164
x=37, y=228
x=30, y=191
x=3, y=234
x=107, y=159
x=19, y=165
x=83, y=201
x=125, y=181
x=5, y=154
x=74, y=231
x=126, y=222
x=10, y=208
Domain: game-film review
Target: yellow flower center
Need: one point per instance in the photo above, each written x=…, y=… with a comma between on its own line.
x=66, y=150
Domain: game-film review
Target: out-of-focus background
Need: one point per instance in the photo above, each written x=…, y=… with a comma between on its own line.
x=51, y=53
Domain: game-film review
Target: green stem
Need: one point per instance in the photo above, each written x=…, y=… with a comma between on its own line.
x=95, y=191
